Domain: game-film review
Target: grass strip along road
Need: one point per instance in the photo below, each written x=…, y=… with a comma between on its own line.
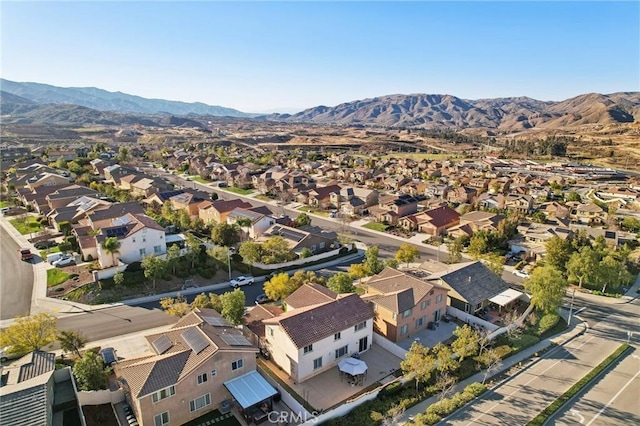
x=541, y=418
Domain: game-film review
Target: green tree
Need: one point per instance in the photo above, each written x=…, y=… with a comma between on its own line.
x=154, y=268
x=491, y=361
x=391, y=263
x=466, y=343
x=123, y=154
x=341, y=283
x=251, y=253
x=495, y=263
x=358, y=271
x=407, y=253
x=111, y=245
x=211, y=301
x=305, y=252
x=303, y=219
x=558, y=251
x=233, y=303
x=301, y=277
x=193, y=249
x=582, y=265
x=547, y=287
x=276, y=250
x=479, y=244
x=118, y=279
x=244, y=223
x=455, y=248
x=372, y=260
x=278, y=287
x=29, y=333
x=177, y=307
x=612, y=273
x=444, y=358
x=90, y=372
x=419, y=363
x=225, y=234
x=72, y=341
x=573, y=196
x=539, y=217
x=173, y=256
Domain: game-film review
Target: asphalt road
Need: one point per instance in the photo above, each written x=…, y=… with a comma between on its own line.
x=611, y=401
x=16, y=279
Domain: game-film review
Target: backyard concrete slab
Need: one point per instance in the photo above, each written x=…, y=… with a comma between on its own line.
x=330, y=388
x=430, y=338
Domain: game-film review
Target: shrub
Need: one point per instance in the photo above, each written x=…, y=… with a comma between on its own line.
x=475, y=388
x=426, y=419
x=65, y=246
x=134, y=267
x=524, y=341
x=393, y=389
x=546, y=323
x=503, y=351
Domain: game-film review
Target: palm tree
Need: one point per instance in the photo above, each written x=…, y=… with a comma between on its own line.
x=111, y=245
x=243, y=223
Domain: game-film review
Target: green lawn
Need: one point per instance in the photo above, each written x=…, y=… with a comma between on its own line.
x=263, y=197
x=239, y=191
x=27, y=225
x=44, y=253
x=376, y=226
x=308, y=209
x=199, y=180
x=56, y=276
x=4, y=204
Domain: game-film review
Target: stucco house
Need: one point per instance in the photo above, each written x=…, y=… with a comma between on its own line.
x=307, y=341
x=404, y=304
x=189, y=370
x=217, y=211
x=260, y=219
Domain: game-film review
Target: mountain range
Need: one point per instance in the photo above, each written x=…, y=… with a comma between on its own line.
x=32, y=103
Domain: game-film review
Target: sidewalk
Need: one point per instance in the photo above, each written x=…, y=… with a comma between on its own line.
x=523, y=359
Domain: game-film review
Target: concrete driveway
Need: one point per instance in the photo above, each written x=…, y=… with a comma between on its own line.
x=430, y=338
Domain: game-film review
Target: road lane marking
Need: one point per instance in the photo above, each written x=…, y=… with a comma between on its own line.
x=614, y=398
x=577, y=414
x=537, y=376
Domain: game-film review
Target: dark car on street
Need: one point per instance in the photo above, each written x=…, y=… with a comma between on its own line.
x=108, y=355
x=262, y=299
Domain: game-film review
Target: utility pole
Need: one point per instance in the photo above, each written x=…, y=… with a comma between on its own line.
x=573, y=295
x=229, y=261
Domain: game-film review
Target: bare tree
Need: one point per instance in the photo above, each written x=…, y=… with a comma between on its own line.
x=483, y=339
x=445, y=385
x=491, y=361
x=393, y=416
x=514, y=327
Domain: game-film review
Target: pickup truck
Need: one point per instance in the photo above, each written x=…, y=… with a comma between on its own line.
x=240, y=281
x=25, y=254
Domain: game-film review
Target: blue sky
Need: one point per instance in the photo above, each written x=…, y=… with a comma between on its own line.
x=286, y=56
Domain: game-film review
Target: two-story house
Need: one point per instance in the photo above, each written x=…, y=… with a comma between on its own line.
x=307, y=341
x=192, y=368
x=258, y=220
x=404, y=304
x=217, y=211
x=433, y=222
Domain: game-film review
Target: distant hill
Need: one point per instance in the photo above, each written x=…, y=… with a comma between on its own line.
x=505, y=114
x=103, y=100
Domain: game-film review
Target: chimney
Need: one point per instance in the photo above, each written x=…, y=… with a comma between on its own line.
x=469, y=278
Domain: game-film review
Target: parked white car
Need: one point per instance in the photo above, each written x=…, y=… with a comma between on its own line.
x=521, y=274
x=240, y=281
x=65, y=260
x=5, y=356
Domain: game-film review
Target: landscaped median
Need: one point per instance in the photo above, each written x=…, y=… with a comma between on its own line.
x=541, y=418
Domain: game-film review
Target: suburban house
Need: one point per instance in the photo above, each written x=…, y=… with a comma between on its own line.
x=320, y=196
x=404, y=304
x=472, y=222
x=314, y=238
x=64, y=196
x=517, y=203
x=589, y=213
x=137, y=233
x=46, y=179
x=217, y=211
x=34, y=393
x=391, y=209
x=260, y=219
x=74, y=211
x=310, y=340
x=462, y=194
x=353, y=200
x=433, y=222
x=189, y=201
x=309, y=294
x=471, y=285
x=253, y=323
x=66, y=155
x=191, y=370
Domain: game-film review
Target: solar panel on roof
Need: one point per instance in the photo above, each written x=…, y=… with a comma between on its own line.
x=609, y=234
x=217, y=321
x=195, y=340
x=161, y=344
x=235, y=339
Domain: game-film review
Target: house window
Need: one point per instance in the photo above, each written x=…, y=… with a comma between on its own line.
x=133, y=239
x=202, y=378
x=198, y=403
x=313, y=248
x=423, y=305
x=161, y=419
x=431, y=292
x=420, y=322
x=317, y=363
x=337, y=336
x=164, y=393
x=360, y=326
x=439, y=298
x=236, y=365
x=406, y=313
x=321, y=245
x=271, y=332
x=342, y=351
x=156, y=249
x=144, y=240
x=393, y=315
x=143, y=252
x=404, y=329
x=213, y=373
x=308, y=349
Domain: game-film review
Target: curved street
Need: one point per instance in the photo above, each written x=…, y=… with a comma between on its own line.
x=16, y=279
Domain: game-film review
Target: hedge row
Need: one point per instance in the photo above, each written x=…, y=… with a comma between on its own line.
x=541, y=418
x=443, y=408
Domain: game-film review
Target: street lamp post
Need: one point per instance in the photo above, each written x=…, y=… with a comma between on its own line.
x=229, y=261
x=573, y=295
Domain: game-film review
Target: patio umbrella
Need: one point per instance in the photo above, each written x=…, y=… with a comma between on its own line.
x=352, y=366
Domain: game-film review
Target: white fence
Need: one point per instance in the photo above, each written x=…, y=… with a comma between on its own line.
x=389, y=346
x=297, y=262
x=100, y=397
x=108, y=272
x=468, y=318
